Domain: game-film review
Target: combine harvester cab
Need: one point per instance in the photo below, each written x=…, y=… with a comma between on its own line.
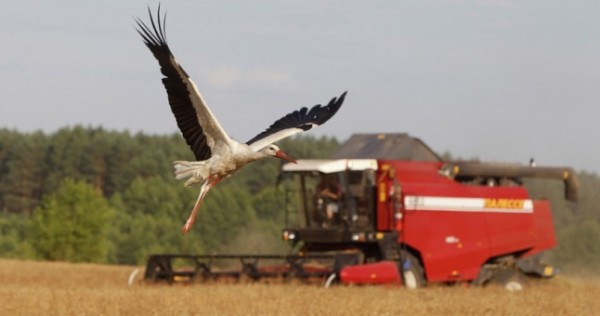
x=411, y=218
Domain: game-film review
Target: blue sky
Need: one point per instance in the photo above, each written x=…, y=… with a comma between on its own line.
x=500, y=80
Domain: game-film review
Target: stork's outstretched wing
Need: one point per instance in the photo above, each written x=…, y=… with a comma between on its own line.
x=296, y=122
x=197, y=123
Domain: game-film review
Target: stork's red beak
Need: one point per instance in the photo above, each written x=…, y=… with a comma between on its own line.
x=281, y=155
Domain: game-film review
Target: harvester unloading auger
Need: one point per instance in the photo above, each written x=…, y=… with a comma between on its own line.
x=387, y=209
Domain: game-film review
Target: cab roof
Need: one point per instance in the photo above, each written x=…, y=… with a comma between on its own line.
x=330, y=165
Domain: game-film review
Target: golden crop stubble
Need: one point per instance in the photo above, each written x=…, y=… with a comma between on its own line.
x=36, y=288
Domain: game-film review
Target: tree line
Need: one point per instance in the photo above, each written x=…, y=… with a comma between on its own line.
x=88, y=194
x=92, y=195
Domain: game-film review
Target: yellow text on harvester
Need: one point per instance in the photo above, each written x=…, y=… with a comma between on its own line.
x=504, y=203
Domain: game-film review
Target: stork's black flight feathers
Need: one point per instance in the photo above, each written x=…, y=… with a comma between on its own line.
x=174, y=82
x=301, y=120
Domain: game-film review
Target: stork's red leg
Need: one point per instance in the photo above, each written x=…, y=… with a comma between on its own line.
x=203, y=190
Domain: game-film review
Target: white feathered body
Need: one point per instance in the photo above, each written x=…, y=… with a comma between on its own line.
x=226, y=160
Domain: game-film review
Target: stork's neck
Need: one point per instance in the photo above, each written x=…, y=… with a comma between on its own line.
x=263, y=153
x=246, y=155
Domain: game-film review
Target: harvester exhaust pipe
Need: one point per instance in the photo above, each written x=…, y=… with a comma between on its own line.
x=501, y=170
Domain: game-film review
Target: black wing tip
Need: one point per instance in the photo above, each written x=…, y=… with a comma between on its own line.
x=336, y=102
x=155, y=34
x=329, y=111
x=340, y=99
x=304, y=118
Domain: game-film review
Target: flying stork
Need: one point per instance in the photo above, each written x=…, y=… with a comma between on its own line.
x=218, y=156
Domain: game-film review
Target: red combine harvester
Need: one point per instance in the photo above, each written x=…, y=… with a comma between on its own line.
x=387, y=209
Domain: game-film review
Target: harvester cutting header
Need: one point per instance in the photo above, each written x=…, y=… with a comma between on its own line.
x=387, y=209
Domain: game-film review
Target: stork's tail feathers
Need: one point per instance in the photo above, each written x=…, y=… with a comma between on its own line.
x=194, y=170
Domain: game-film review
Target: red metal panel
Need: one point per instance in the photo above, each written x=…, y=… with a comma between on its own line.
x=382, y=272
x=403, y=172
x=384, y=210
x=544, y=236
x=510, y=232
x=453, y=245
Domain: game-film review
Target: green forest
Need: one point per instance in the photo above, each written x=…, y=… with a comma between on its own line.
x=86, y=194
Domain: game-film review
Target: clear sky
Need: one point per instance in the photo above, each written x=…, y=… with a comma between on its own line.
x=499, y=80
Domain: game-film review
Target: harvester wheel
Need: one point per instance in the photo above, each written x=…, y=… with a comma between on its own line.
x=412, y=272
x=508, y=278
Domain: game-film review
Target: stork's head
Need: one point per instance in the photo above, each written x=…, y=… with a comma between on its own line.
x=273, y=150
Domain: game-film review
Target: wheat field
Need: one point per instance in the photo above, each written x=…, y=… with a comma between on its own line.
x=55, y=288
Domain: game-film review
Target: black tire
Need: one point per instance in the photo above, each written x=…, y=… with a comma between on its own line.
x=507, y=278
x=411, y=271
